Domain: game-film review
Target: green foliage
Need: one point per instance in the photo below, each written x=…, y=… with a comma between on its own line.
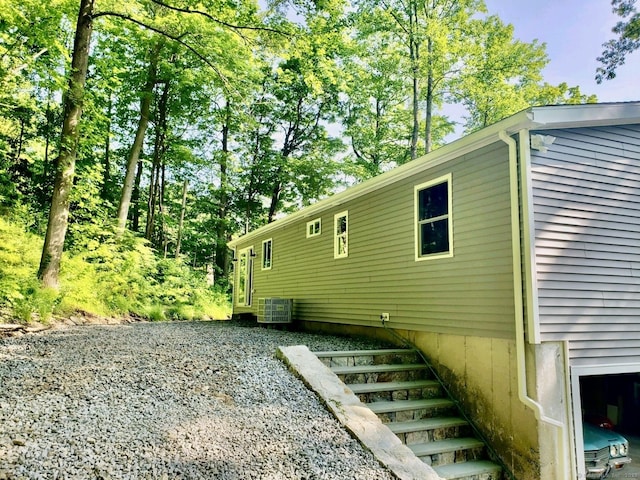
x=251, y=102
x=20, y=291
x=107, y=276
x=628, y=40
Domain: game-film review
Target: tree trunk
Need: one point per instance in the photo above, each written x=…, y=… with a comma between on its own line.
x=182, y=210
x=65, y=163
x=134, y=154
x=275, y=198
x=428, y=124
x=20, y=141
x=135, y=199
x=106, y=174
x=222, y=234
x=414, y=53
x=156, y=194
x=151, y=202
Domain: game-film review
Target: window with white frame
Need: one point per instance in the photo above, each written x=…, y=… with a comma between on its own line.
x=267, y=254
x=314, y=228
x=341, y=235
x=434, y=226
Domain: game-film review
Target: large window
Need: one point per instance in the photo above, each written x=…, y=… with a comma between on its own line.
x=434, y=227
x=267, y=253
x=341, y=235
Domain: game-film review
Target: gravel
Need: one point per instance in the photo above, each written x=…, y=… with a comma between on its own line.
x=168, y=401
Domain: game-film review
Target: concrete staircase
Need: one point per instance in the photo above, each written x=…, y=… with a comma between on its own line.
x=397, y=385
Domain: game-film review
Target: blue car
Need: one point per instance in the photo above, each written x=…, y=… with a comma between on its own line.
x=604, y=450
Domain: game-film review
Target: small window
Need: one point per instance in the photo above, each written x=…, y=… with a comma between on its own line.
x=434, y=229
x=341, y=232
x=267, y=253
x=314, y=228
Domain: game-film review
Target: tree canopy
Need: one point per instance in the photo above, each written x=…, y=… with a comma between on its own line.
x=627, y=41
x=186, y=122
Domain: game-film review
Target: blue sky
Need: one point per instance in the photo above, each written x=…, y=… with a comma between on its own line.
x=574, y=31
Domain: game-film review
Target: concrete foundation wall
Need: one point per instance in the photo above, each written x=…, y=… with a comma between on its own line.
x=482, y=375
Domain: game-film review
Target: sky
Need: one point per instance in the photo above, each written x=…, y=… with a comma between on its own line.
x=574, y=31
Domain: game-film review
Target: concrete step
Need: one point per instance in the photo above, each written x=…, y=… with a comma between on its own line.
x=430, y=429
x=445, y=452
x=368, y=357
x=473, y=470
x=406, y=410
x=409, y=390
x=395, y=384
x=381, y=373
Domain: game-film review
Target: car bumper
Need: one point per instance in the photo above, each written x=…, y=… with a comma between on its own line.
x=597, y=472
x=601, y=472
x=618, y=463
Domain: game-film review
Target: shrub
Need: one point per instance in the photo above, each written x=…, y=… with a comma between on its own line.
x=106, y=275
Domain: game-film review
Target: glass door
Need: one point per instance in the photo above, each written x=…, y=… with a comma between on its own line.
x=244, y=283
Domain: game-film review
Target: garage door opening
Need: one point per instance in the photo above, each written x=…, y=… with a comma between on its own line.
x=606, y=407
x=613, y=398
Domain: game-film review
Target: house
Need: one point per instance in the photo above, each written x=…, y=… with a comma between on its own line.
x=510, y=257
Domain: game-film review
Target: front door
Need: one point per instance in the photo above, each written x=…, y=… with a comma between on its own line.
x=244, y=284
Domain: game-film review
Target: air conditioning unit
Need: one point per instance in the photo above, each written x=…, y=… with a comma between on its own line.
x=274, y=310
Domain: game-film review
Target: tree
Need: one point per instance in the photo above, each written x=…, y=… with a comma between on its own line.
x=432, y=35
x=376, y=119
x=499, y=74
x=65, y=162
x=503, y=75
x=134, y=154
x=628, y=41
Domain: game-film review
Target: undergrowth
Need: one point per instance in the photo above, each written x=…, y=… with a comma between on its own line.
x=107, y=276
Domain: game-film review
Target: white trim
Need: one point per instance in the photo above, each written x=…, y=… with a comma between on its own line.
x=529, y=231
x=312, y=223
x=416, y=191
x=585, y=371
x=538, y=118
x=336, y=237
x=247, y=287
x=264, y=242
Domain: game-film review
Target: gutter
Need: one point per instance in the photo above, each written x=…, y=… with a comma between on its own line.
x=521, y=362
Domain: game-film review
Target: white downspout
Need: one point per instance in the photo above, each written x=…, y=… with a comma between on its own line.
x=523, y=395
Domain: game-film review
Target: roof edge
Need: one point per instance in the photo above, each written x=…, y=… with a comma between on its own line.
x=538, y=118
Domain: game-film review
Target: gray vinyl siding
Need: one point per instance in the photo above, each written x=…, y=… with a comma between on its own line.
x=586, y=191
x=470, y=293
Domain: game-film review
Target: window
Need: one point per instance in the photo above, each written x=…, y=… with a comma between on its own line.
x=267, y=252
x=314, y=228
x=434, y=227
x=341, y=235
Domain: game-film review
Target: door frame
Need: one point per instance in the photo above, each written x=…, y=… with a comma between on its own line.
x=244, y=277
x=584, y=371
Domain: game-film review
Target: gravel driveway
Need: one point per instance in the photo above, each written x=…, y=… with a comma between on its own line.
x=202, y=400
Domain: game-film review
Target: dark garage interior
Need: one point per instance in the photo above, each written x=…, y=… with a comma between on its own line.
x=613, y=397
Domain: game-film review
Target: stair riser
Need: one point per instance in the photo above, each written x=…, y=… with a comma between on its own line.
x=415, y=414
x=386, y=359
x=484, y=476
x=487, y=475
x=404, y=376
x=424, y=436
x=458, y=456
x=403, y=394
